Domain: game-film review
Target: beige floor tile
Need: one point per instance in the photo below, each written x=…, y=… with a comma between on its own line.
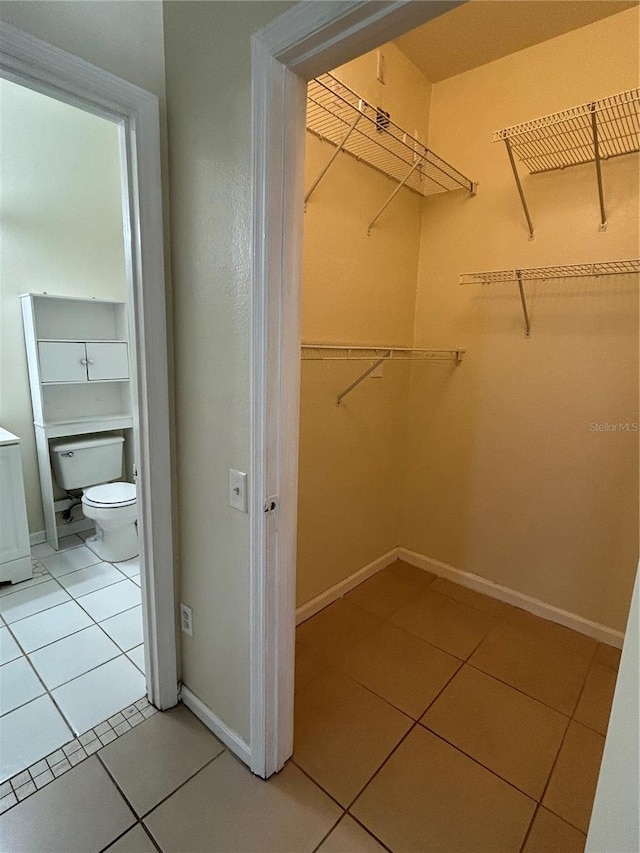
x=445, y=623
x=343, y=733
x=171, y=746
x=506, y=731
x=134, y=841
x=551, y=631
x=226, y=808
x=431, y=797
x=405, y=671
x=385, y=592
x=350, y=837
x=573, y=782
x=309, y=663
x=608, y=656
x=594, y=706
x=469, y=596
x=405, y=571
x=549, y=834
x=336, y=629
x=81, y=811
x=551, y=673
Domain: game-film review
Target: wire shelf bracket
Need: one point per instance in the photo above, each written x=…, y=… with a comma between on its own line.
x=519, y=276
x=337, y=114
x=590, y=133
x=376, y=355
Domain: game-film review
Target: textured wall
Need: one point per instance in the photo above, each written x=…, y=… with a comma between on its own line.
x=506, y=477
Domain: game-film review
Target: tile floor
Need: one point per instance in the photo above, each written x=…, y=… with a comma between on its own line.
x=427, y=718
x=71, y=653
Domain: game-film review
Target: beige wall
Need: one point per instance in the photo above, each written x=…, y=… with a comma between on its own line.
x=356, y=290
x=505, y=477
x=61, y=212
x=207, y=49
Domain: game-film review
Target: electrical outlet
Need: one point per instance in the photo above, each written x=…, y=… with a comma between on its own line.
x=237, y=490
x=186, y=620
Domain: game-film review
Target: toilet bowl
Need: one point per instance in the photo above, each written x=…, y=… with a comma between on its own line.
x=113, y=509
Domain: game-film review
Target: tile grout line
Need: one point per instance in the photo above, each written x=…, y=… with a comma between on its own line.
x=82, y=747
x=192, y=776
x=569, y=717
x=48, y=692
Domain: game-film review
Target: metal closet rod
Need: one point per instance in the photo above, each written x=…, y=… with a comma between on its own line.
x=630, y=266
x=320, y=352
x=589, y=133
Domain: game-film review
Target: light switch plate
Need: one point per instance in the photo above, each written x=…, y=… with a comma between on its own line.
x=237, y=490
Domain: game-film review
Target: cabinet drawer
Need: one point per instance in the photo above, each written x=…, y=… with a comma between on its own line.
x=108, y=360
x=62, y=361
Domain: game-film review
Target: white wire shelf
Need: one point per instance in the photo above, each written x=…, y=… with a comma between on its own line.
x=334, y=352
x=560, y=271
x=554, y=272
x=589, y=133
x=340, y=116
x=376, y=355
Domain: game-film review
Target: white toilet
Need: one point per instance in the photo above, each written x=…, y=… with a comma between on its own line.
x=89, y=463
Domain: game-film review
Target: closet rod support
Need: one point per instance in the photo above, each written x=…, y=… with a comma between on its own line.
x=418, y=163
x=596, y=151
x=527, y=322
x=519, y=186
x=343, y=142
x=360, y=378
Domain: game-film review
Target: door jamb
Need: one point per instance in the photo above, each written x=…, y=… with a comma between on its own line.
x=33, y=63
x=305, y=41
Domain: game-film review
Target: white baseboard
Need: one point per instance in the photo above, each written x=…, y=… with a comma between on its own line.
x=79, y=526
x=228, y=737
x=37, y=538
x=306, y=611
x=599, y=632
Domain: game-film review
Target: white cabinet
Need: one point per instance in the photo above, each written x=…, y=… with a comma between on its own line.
x=86, y=361
x=62, y=361
x=79, y=374
x=15, y=553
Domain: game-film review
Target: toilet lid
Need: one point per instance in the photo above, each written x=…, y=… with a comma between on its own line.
x=111, y=494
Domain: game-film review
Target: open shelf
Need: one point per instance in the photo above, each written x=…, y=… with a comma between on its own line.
x=337, y=114
x=376, y=356
x=589, y=133
x=82, y=425
x=560, y=271
x=334, y=352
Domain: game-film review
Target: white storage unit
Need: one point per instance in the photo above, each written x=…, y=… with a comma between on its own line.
x=15, y=552
x=80, y=375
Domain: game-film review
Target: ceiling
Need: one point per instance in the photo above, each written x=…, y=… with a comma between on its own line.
x=481, y=31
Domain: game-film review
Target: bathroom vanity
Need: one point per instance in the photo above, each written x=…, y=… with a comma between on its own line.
x=15, y=552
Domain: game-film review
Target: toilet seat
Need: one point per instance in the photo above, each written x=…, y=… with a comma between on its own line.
x=110, y=495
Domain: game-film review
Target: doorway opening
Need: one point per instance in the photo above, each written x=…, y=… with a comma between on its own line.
x=456, y=493
x=88, y=636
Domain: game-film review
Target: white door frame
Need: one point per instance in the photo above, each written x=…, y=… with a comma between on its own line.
x=37, y=65
x=309, y=39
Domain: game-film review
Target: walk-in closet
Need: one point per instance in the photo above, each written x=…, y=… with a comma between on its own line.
x=468, y=463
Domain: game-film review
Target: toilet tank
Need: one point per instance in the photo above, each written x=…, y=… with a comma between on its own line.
x=87, y=460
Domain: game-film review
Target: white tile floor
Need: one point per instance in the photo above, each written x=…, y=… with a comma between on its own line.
x=71, y=653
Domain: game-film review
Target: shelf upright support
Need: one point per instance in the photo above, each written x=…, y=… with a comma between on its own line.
x=418, y=162
x=596, y=151
x=360, y=378
x=343, y=142
x=527, y=322
x=519, y=186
